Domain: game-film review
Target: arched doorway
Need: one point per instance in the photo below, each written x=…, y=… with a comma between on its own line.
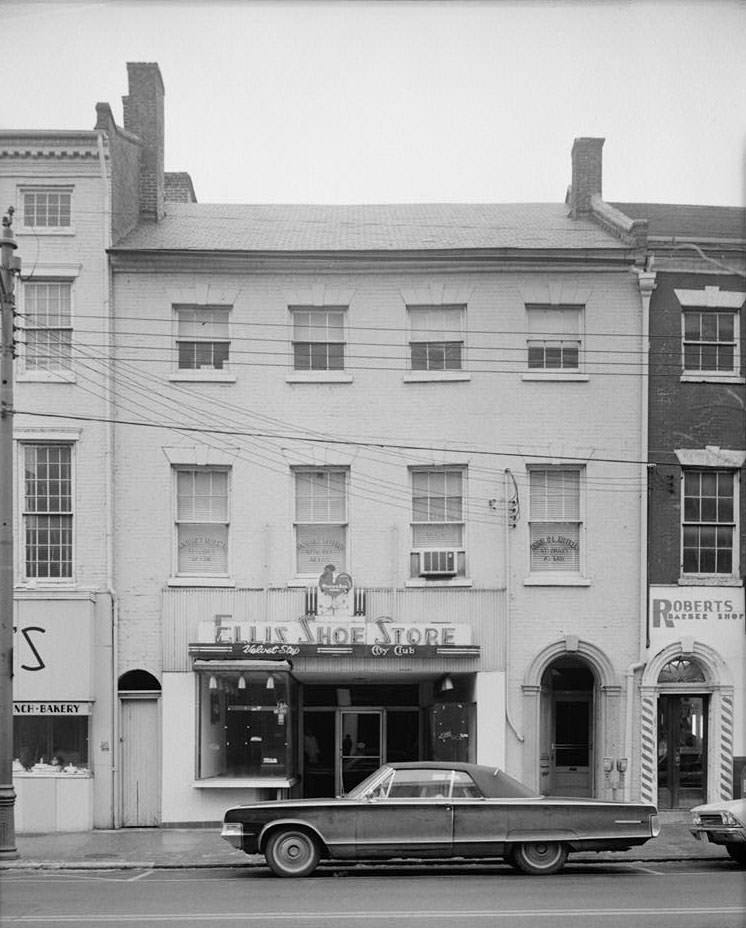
x=683, y=708
x=140, y=738
x=567, y=711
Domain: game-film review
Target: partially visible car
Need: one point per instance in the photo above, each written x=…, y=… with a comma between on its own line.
x=436, y=810
x=722, y=823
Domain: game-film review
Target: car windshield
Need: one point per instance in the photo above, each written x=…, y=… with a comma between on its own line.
x=370, y=785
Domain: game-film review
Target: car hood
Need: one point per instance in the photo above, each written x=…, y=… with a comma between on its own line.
x=736, y=807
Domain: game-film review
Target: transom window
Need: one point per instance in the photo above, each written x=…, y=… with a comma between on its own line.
x=47, y=511
x=47, y=208
x=202, y=521
x=554, y=337
x=709, y=341
x=47, y=326
x=202, y=339
x=709, y=522
x=436, y=339
x=318, y=338
x=320, y=519
x=555, y=520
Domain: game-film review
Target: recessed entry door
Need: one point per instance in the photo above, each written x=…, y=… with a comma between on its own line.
x=570, y=772
x=682, y=750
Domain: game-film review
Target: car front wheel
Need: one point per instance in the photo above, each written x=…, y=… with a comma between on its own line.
x=292, y=852
x=540, y=857
x=737, y=852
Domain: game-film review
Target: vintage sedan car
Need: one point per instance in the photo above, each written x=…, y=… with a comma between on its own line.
x=436, y=810
x=722, y=823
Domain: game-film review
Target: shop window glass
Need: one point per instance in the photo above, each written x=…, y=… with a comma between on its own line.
x=245, y=724
x=45, y=744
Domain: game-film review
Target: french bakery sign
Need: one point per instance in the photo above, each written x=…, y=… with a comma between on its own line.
x=308, y=636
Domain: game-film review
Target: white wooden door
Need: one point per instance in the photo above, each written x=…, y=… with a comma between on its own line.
x=141, y=763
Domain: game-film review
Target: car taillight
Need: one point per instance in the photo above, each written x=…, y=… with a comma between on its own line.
x=655, y=826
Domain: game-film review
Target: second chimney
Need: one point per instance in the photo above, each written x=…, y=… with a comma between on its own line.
x=143, y=113
x=587, y=166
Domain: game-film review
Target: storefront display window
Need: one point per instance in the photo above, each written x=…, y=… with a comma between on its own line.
x=51, y=744
x=245, y=724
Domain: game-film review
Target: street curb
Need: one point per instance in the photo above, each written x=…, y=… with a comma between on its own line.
x=152, y=865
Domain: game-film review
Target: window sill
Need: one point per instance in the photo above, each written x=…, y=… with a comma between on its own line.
x=200, y=581
x=557, y=580
x=436, y=377
x=45, y=230
x=204, y=376
x=245, y=782
x=46, y=377
x=709, y=580
x=712, y=378
x=420, y=582
x=319, y=377
x=554, y=376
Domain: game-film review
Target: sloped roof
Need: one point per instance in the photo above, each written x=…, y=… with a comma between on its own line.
x=302, y=228
x=702, y=222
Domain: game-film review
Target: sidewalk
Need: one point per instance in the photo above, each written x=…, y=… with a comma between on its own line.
x=154, y=848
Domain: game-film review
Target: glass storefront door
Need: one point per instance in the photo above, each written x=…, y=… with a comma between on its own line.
x=682, y=755
x=361, y=733
x=342, y=745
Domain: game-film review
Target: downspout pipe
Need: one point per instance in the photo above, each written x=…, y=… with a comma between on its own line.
x=510, y=489
x=646, y=284
x=109, y=487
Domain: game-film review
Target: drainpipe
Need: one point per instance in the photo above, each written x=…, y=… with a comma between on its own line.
x=629, y=679
x=646, y=283
x=109, y=491
x=510, y=489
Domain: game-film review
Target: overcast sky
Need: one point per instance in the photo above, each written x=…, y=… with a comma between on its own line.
x=356, y=101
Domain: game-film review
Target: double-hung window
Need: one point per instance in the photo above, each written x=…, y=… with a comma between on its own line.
x=47, y=511
x=710, y=333
x=318, y=338
x=555, y=519
x=554, y=337
x=438, y=526
x=709, y=522
x=47, y=326
x=47, y=207
x=436, y=338
x=202, y=337
x=710, y=341
x=320, y=519
x=202, y=521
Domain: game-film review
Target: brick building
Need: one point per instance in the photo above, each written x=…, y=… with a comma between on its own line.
x=388, y=502
x=693, y=685
x=373, y=485
x=74, y=193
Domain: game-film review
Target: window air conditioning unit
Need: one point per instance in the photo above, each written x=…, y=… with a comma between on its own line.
x=438, y=563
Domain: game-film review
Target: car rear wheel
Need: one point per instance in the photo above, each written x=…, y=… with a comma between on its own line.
x=540, y=857
x=737, y=852
x=292, y=852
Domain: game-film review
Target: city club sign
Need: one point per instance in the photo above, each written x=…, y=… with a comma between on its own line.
x=308, y=636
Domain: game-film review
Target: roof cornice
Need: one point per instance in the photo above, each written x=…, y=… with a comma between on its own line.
x=55, y=144
x=376, y=261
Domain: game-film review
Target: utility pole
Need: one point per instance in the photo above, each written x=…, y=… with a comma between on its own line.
x=9, y=267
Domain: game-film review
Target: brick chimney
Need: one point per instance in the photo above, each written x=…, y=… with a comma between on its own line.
x=143, y=116
x=587, y=164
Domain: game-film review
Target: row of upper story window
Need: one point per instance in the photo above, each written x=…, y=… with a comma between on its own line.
x=435, y=499
x=202, y=347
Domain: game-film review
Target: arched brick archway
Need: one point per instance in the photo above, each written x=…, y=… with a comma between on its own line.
x=716, y=684
x=536, y=707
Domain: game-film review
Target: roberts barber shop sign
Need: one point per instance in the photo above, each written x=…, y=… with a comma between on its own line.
x=310, y=637
x=714, y=615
